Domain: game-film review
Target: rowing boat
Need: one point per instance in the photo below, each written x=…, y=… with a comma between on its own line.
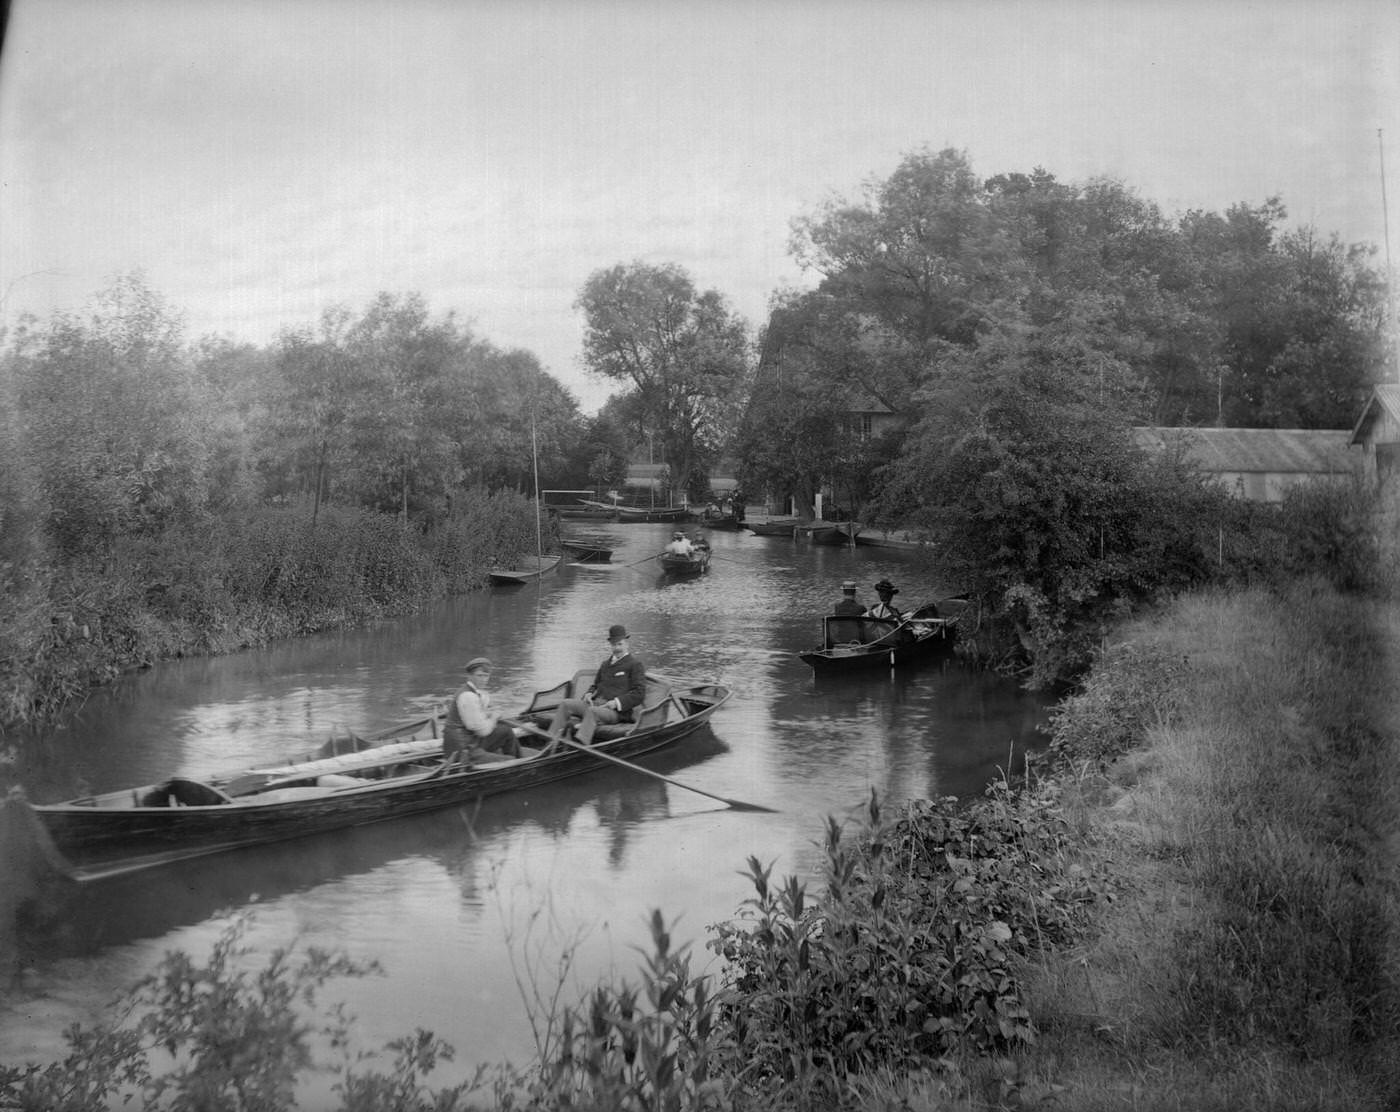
x=850, y=643
x=651, y=514
x=587, y=552
x=773, y=528
x=529, y=568
x=833, y=532
x=681, y=566
x=405, y=773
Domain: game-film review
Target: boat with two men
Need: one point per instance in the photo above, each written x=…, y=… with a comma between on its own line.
x=853, y=642
x=399, y=772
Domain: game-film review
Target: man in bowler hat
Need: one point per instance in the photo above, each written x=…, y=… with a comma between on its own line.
x=618, y=688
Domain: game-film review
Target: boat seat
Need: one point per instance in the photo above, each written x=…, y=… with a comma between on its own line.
x=180, y=792
x=655, y=709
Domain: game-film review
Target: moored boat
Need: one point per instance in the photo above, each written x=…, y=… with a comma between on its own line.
x=861, y=642
x=587, y=551
x=833, y=532
x=529, y=568
x=405, y=774
x=653, y=513
x=774, y=527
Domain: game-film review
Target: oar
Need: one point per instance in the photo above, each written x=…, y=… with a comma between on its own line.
x=643, y=561
x=736, y=804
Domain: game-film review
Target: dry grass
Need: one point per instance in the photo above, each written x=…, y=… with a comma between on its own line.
x=1252, y=958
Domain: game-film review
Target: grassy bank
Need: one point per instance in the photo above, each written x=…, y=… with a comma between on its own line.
x=1235, y=763
x=242, y=580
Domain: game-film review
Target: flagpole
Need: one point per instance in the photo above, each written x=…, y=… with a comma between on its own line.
x=1389, y=271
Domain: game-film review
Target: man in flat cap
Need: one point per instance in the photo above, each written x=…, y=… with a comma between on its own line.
x=472, y=731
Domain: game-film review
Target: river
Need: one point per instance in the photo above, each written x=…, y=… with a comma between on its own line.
x=475, y=911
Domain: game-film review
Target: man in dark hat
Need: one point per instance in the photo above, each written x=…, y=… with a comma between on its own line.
x=848, y=606
x=885, y=608
x=618, y=688
x=472, y=729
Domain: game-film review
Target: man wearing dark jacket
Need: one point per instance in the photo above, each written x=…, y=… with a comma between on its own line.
x=618, y=688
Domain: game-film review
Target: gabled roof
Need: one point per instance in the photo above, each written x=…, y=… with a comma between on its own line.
x=1384, y=399
x=1242, y=451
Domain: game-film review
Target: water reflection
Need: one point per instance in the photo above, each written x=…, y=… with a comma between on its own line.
x=83, y=919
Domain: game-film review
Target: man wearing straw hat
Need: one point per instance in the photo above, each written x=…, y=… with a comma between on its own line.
x=848, y=606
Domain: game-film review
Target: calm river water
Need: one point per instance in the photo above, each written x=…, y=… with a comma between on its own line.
x=470, y=910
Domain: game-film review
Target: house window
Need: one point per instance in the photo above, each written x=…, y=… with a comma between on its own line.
x=857, y=425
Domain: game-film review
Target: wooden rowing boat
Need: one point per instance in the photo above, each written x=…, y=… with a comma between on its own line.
x=686, y=567
x=833, y=532
x=404, y=774
x=529, y=568
x=850, y=643
x=773, y=528
x=655, y=513
x=586, y=552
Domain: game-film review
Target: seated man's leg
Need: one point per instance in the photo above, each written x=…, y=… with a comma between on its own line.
x=569, y=708
x=596, y=716
x=501, y=740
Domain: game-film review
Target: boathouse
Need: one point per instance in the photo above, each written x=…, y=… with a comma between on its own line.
x=1259, y=464
x=1376, y=436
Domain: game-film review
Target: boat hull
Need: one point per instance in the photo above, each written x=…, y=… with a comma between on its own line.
x=508, y=577
x=629, y=514
x=97, y=832
x=685, y=567
x=857, y=643
x=834, y=534
x=587, y=553
x=772, y=528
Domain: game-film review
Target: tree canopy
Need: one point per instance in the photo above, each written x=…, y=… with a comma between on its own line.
x=682, y=353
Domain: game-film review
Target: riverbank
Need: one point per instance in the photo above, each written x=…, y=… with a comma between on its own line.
x=1233, y=766
x=244, y=580
x=1190, y=905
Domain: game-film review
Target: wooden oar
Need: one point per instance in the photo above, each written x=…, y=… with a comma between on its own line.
x=736, y=804
x=642, y=561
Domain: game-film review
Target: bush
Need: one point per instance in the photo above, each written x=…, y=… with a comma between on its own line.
x=1132, y=687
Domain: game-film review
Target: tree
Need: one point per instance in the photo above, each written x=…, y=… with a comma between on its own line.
x=684, y=353
x=1023, y=469
x=117, y=422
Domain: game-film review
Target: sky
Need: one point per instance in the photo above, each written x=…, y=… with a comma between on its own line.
x=261, y=161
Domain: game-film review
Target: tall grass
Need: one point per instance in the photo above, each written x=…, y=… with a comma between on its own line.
x=1262, y=818
x=241, y=580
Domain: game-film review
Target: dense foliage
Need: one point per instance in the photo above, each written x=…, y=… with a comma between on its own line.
x=1016, y=329
x=158, y=498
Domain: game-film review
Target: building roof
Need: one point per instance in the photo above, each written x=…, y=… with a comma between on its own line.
x=1275, y=451
x=1384, y=399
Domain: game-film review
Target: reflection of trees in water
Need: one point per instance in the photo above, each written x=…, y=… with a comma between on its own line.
x=936, y=727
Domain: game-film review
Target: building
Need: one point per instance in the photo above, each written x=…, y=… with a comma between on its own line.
x=1376, y=435
x=1259, y=464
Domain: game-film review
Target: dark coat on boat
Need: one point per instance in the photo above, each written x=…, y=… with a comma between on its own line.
x=624, y=680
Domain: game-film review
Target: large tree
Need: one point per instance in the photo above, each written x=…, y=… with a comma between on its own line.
x=117, y=422
x=684, y=353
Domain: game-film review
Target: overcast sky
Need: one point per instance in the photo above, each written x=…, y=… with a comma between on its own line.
x=261, y=160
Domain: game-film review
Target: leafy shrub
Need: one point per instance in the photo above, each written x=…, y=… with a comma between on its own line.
x=1132, y=686
x=909, y=955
